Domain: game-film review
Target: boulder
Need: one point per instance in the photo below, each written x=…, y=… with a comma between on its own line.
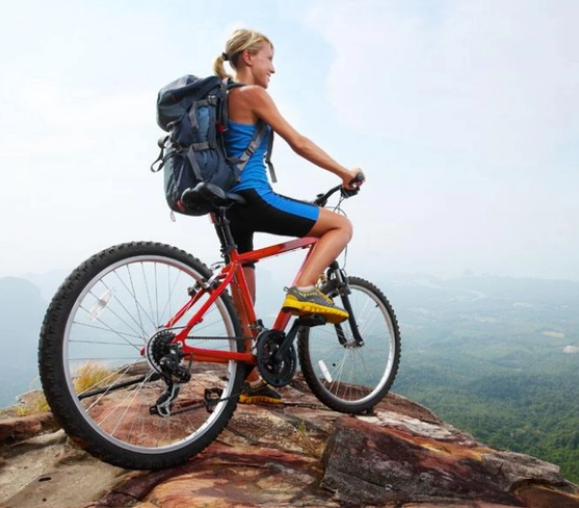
x=296, y=454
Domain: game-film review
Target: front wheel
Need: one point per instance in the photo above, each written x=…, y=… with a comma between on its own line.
x=345, y=375
x=104, y=344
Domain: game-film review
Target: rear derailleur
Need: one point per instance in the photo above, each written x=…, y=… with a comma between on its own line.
x=166, y=359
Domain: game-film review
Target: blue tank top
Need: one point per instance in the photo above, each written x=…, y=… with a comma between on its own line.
x=237, y=139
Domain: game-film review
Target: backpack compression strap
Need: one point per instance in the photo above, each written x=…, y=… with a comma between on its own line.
x=268, y=158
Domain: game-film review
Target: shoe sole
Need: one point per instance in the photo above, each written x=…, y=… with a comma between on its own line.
x=333, y=316
x=248, y=399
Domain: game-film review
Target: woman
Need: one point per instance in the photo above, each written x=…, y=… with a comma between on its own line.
x=250, y=54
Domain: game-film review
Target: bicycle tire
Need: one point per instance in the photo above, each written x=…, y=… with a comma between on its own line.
x=346, y=377
x=93, y=339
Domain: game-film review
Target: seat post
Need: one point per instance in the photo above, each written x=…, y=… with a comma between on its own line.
x=223, y=230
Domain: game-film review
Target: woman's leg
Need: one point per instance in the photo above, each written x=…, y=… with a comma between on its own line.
x=334, y=232
x=276, y=214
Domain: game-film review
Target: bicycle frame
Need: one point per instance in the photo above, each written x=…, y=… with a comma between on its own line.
x=232, y=273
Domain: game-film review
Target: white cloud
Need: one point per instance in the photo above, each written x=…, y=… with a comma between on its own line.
x=490, y=78
x=65, y=121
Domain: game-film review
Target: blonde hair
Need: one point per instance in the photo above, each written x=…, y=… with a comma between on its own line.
x=240, y=41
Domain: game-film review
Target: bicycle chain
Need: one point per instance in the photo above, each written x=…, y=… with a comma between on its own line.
x=207, y=402
x=175, y=329
x=236, y=339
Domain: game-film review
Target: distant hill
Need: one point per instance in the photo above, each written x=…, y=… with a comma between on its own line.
x=47, y=282
x=496, y=356
x=21, y=312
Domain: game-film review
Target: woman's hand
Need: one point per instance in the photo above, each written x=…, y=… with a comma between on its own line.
x=354, y=179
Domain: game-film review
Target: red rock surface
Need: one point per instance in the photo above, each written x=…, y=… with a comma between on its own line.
x=297, y=455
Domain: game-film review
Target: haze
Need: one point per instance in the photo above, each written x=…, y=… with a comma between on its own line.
x=464, y=116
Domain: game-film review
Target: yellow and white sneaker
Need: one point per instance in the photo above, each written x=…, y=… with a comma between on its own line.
x=259, y=392
x=312, y=301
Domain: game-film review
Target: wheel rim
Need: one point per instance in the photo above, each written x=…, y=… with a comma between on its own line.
x=350, y=374
x=105, y=334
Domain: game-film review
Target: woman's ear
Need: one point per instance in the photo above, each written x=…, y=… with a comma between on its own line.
x=247, y=57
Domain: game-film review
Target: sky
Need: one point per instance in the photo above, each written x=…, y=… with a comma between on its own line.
x=464, y=116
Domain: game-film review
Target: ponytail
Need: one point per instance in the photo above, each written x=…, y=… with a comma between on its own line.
x=219, y=68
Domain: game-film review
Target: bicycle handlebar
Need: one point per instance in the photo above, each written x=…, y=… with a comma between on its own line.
x=322, y=199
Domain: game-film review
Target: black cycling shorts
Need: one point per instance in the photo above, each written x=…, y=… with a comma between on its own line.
x=269, y=213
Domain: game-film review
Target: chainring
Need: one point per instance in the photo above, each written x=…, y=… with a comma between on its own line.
x=275, y=371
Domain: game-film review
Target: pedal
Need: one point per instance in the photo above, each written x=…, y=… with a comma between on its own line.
x=312, y=320
x=212, y=397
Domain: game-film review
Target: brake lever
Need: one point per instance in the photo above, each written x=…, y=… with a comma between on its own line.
x=348, y=193
x=356, y=181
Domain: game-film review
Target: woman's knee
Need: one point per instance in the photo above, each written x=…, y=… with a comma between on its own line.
x=350, y=230
x=332, y=221
x=345, y=227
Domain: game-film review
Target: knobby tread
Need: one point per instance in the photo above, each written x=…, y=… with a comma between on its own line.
x=52, y=372
x=314, y=383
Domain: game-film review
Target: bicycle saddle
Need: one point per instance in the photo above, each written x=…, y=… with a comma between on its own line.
x=207, y=195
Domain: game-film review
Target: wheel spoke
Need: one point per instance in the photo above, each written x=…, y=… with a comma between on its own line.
x=102, y=321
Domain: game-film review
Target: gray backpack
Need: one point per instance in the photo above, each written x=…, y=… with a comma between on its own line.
x=194, y=113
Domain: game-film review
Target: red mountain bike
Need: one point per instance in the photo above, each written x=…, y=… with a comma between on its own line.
x=144, y=349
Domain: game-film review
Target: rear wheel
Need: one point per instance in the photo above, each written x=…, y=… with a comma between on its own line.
x=103, y=349
x=343, y=374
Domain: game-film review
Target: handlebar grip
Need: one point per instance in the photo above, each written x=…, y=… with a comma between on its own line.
x=359, y=178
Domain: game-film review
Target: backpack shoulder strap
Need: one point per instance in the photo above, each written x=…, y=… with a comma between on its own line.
x=226, y=85
x=256, y=140
x=258, y=135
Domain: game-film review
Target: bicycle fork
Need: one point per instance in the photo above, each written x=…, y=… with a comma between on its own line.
x=337, y=284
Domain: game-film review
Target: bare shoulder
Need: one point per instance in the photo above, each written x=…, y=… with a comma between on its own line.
x=252, y=102
x=247, y=103
x=253, y=94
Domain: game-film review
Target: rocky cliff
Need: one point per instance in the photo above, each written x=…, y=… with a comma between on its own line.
x=298, y=454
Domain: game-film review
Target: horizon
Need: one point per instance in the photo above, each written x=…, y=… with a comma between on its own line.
x=464, y=117
x=28, y=275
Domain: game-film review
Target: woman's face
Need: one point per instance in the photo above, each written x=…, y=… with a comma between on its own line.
x=262, y=65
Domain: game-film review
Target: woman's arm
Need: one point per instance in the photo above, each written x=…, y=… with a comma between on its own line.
x=260, y=104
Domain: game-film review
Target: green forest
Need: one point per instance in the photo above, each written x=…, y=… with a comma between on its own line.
x=531, y=413
x=497, y=358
